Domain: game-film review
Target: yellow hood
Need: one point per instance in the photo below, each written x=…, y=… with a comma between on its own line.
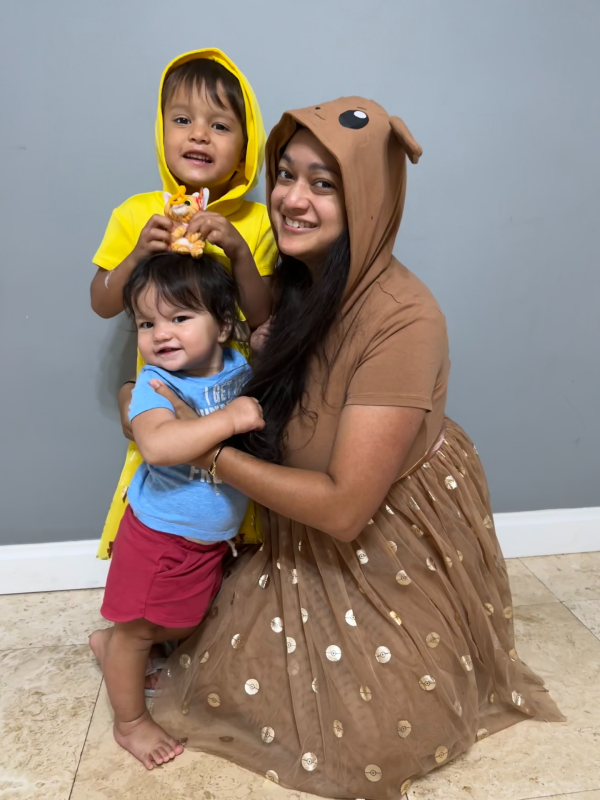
x=255, y=150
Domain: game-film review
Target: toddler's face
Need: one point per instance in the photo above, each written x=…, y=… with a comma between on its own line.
x=178, y=339
x=204, y=144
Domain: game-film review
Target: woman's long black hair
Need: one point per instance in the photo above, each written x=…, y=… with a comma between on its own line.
x=305, y=309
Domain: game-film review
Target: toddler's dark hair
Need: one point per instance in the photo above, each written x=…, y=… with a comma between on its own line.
x=200, y=284
x=203, y=73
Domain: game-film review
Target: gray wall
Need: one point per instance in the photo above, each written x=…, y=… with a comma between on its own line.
x=501, y=218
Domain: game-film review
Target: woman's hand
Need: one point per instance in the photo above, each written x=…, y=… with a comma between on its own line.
x=124, y=399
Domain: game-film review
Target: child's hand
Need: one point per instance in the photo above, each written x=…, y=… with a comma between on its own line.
x=260, y=336
x=246, y=415
x=154, y=238
x=217, y=229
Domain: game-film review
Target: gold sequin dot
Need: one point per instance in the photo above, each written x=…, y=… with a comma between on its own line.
x=185, y=661
x=405, y=787
x=404, y=728
x=277, y=624
x=393, y=546
x=214, y=700
x=185, y=707
x=304, y=615
x=433, y=639
x=492, y=698
x=263, y=581
x=475, y=450
x=383, y=655
x=467, y=663
x=448, y=561
x=365, y=693
x=465, y=454
x=441, y=453
x=338, y=728
x=395, y=617
x=261, y=548
x=458, y=708
x=508, y=612
x=460, y=555
x=309, y=761
x=237, y=642
x=333, y=653
x=450, y=482
x=267, y=734
x=315, y=686
x=292, y=576
x=414, y=504
x=373, y=773
x=205, y=657
x=416, y=530
x=427, y=683
x=271, y=775
x=487, y=521
x=513, y=655
x=300, y=546
x=403, y=578
x=462, y=471
x=517, y=698
x=362, y=557
x=482, y=733
x=293, y=668
x=489, y=609
x=431, y=564
x=169, y=674
x=252, y=686
x=278, y=564
x=290, y=644
x=426, y=465
x=432, y=496
x=350, y=618
x=441, y=754
x=390, y=510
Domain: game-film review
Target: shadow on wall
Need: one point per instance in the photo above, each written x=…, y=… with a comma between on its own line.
x=117, y=365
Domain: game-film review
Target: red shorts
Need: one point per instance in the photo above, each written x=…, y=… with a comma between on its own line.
x=160, y=577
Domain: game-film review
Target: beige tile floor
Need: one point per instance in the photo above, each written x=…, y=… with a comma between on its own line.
x=56, y=741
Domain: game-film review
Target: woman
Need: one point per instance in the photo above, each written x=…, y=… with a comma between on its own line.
x=370, y=639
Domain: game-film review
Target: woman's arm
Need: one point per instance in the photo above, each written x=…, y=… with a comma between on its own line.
x=370, y=447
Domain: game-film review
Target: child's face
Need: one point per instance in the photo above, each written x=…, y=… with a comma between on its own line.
x=178, y=339
x=204, y=144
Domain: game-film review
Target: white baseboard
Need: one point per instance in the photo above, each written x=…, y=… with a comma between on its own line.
x=59, y=566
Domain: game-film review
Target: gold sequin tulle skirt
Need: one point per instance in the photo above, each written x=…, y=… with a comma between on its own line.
x=348, y=670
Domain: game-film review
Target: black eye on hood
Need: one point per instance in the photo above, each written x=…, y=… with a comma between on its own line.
x=354, y=119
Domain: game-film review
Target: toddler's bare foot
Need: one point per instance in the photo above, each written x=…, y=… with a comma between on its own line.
x=98, y=642
x=147, y=741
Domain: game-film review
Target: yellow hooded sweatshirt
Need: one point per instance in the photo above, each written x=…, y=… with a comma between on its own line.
x=250, y=219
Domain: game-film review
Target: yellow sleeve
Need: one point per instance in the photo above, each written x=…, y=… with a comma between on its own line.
x=119, y=239
x=265, y=251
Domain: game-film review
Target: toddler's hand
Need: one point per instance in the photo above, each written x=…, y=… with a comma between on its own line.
x=154, y=238
x=246, y=414
x=217, y=229
x=260, y=336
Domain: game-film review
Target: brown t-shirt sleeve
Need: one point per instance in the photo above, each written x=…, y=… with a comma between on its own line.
x=404, y=357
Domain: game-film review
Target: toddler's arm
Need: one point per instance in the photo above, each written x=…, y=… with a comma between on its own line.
x=165, y=441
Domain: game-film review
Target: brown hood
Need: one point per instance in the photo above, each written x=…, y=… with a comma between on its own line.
x=370, y=148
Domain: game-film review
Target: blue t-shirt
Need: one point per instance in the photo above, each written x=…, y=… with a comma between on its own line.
x=185, y=500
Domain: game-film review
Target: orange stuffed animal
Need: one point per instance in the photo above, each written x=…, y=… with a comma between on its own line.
x=181, y=207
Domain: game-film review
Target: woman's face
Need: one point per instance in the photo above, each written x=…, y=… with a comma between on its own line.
x=307, y=203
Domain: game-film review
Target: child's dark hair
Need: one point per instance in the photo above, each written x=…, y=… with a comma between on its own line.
x=200, y=284
x=203, y=73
